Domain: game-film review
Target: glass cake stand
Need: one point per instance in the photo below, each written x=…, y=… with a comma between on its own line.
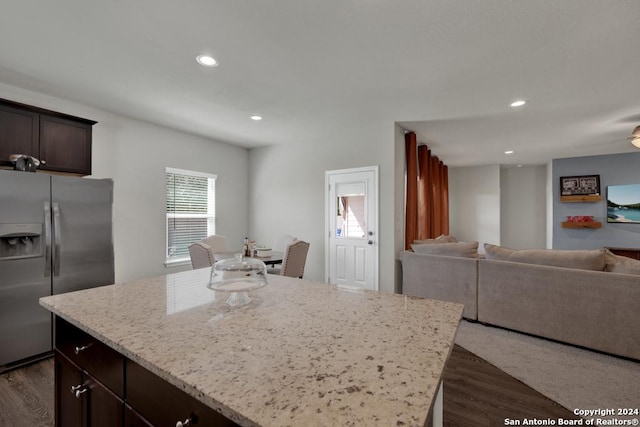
x=238, y=276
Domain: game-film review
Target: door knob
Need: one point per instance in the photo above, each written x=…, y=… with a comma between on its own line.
x=370, y=242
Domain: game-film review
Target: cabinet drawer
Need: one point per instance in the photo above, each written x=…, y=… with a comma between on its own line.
x=162, y=404
x=133, y=419
x=96, y=358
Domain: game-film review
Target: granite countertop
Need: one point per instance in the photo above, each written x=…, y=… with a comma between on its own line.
x=300, y=353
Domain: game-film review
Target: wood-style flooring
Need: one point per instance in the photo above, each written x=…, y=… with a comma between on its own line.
x=26, y=396
x=476, y=394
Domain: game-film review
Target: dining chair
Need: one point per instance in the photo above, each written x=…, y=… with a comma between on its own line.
x=295, y=257
x=281, y=242
x=201, y=255
x=216, y=243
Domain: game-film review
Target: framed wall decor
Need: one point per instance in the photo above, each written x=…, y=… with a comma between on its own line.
x=584, y=185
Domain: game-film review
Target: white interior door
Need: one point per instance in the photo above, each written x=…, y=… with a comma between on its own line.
x=352, y=222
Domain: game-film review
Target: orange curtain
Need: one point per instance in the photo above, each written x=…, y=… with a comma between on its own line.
x=427, y=201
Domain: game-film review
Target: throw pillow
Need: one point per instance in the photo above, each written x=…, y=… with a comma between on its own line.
x=578, y=259
x=440, y=239
x=621, y=264
x=456, y=249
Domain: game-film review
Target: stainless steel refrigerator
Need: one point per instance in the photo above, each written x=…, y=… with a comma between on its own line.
x=55, y=237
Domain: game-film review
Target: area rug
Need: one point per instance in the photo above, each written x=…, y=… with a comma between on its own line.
x=574, y=378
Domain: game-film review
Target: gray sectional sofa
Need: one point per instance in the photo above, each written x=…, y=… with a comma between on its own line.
x=587, y=303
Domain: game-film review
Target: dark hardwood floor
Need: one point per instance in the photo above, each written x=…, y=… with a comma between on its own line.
x=26, y=396
x=476, y=394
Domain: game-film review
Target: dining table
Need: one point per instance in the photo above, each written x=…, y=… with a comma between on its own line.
x=274, y=258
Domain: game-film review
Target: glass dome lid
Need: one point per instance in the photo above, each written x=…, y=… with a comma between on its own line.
x=238, y=275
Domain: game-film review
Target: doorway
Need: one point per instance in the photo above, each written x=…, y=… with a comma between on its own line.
x=351, y=217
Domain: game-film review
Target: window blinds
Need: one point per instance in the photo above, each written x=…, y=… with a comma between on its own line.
x=190, y=210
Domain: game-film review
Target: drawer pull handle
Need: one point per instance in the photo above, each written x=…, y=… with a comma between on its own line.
x=79, y=390
x=189, y=421
x=77, y=350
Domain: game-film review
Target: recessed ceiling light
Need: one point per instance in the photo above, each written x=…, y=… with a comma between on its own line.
x=519, y=166
x=207, y=61
x=518, y=103
x=256, y=118
x=508, y=152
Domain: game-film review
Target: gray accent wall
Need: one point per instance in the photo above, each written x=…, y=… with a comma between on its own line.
x=614, y=169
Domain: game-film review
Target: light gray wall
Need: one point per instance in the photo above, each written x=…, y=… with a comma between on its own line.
x=135, y=155
x=287, y=192
x=549, y=203
x=474, y=204
x=523, y=207
x=614, y=169
x=399, y=197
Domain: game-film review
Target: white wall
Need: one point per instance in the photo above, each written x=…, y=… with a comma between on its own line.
x=287, y=192
x=523, y=207
x=135, y=155
x=474, y=204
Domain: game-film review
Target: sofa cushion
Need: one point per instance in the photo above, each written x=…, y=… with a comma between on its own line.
x=457, y=249
x=440, y=239
x=621, y=264
x=579, y=259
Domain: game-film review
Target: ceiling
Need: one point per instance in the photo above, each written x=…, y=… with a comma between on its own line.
x=445, y=69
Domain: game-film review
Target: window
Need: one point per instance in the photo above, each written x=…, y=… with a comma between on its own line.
x=191, y=210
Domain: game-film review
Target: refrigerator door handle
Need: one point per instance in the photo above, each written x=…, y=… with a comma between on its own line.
x=56, y=239
x=47, y=239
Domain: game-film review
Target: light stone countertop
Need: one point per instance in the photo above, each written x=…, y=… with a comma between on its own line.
x=301, y=353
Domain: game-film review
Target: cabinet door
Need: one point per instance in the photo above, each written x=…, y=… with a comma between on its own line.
x=65, y=145
x=80, y=400
x=133, y=419
x=102, y=408
x=18, y=133
x=68, y=407
x=163, y=404
x=91, y=355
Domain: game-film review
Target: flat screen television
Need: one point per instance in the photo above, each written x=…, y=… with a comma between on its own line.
x=623, y=204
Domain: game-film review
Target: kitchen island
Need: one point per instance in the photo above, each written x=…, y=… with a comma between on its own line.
x=301, y=353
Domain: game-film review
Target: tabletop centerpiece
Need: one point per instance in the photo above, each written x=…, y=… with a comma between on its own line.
x=238, y=276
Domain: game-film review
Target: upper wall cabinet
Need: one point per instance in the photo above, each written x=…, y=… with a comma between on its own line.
x=19, y=130
x=61, y=142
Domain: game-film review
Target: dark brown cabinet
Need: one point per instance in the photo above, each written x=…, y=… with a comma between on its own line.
x=61, y=142
x=167, y=405
x=68, y=407
x=133, y=419
x=83, y=401
x=89, y=380
x=97, y=386
x=19, y=132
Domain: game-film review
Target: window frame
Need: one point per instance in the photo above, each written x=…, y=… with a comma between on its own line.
x=211, y=217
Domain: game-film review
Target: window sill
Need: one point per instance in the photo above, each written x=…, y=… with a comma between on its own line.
x=177, y=262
